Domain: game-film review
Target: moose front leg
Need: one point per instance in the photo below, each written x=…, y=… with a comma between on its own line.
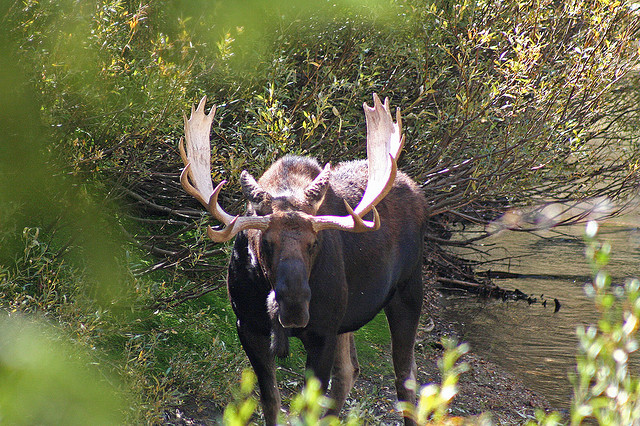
x=257, y=347
x=321, y=351
x=345, y=371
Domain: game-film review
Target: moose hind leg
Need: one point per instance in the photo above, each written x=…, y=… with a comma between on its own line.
x=345, y=371
x=403, y=315
x=257, y=347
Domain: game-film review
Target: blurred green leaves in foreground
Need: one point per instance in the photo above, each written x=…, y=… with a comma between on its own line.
x=35, y=192
x=44, y=377
x=45, y=380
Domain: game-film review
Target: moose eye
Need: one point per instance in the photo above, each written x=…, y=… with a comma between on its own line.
x=313, y=247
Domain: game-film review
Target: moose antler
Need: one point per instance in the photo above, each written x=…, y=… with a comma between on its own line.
x=197, y=168
x=384, y=143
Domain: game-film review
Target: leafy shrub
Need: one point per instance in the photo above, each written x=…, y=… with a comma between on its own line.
x=504, y=102
x=490, y=90
x=604, y=387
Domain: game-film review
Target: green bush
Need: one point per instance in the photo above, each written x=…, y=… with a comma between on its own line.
x=495, y=89
x=503, y=103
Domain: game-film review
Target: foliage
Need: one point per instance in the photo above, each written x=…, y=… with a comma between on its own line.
x=307, y=406
x=504, y=103
x=434, y=400
x=604, y=387
x=46, y=380
x=62, y=259
x=239, y=413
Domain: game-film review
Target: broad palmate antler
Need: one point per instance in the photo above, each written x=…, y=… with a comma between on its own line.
x=384, y=143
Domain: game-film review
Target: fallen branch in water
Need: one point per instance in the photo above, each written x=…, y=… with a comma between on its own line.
x=494, y=291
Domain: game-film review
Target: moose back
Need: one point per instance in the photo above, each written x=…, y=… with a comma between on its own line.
x=319, y=252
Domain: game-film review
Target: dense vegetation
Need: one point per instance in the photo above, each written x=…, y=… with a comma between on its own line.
x=506, y=104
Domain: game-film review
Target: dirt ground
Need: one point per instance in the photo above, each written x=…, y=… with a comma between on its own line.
x=484, y=389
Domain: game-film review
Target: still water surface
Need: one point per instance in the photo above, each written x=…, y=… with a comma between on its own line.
x=531, y=341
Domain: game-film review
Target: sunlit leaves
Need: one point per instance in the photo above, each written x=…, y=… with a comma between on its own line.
x=604, y=388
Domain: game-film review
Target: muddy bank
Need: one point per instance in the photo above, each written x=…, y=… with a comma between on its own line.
x=485, y=388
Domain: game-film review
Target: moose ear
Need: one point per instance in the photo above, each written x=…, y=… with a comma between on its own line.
x=252, y=190
x=314, y=193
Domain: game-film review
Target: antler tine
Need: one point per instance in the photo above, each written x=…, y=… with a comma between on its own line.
x=395, y=150
x=237, y=224
x=186, y=185
x=351, y=223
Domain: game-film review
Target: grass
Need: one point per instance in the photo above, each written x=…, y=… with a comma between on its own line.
x=373, y=343
x=186, y=354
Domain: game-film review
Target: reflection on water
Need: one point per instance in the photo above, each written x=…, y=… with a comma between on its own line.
x=532, y=341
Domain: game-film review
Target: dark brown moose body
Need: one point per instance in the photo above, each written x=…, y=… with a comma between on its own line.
x=306, y=264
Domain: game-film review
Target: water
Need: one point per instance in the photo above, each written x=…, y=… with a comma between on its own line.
x=531, y=341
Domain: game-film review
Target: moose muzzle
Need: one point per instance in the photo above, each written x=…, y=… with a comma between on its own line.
x=292, y=293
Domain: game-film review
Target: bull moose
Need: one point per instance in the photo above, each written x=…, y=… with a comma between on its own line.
x=319, y=252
